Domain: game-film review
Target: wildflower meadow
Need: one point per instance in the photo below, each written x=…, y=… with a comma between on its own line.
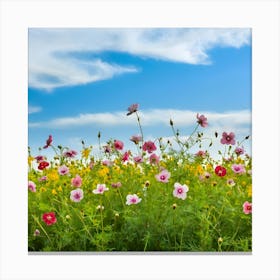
x=160, y=196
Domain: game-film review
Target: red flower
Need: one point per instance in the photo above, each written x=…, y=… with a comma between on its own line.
x=48, y=142
x=49, y=218
x=220, y=171
x=149, y=147
x=43, y=164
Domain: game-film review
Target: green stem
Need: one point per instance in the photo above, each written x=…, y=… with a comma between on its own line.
x=37, y=221
x=140, y=127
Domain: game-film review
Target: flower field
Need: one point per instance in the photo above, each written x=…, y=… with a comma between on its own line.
x=158, y=197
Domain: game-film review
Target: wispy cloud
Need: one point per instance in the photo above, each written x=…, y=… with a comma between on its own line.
x=149, y=118
x=52, y=60
x=34, y=109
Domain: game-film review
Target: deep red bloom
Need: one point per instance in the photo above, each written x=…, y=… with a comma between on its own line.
x=43, y=164
x=48, y=142
x=125, y=156
x=49, y=218
x=220, y=171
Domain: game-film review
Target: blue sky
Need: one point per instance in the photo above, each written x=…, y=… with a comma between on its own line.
x=81, y=81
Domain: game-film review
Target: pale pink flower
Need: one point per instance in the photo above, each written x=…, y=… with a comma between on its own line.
x=132, y=199
x=116, y=185
x=77, y=181
x=201, y=154
x=238, y=168
x=100, y=189
x=149, y=146
x=77, y=195
x=205, y=175
x=180, y=191
x=154, y=159
x=230, y=182
x=70, y=153
x=228, y=139
x=136, y=138
x=118, y=145
x=247, y=207
x=107, y=162
x=31, y=186
x=138, y=159
x=63, y=170
x=163, y=176
x=201, y=120
x=132, y=109
x=43, y=178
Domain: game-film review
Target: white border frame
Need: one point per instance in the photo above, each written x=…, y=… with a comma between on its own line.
x=260, y=15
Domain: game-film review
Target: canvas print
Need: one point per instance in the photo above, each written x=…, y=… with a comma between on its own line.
x=139, y=140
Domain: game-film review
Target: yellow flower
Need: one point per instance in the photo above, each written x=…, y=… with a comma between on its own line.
x=54, y=192
x=30, y=159
x=103, y=171
x=85, y=152
x=249, y=190
x=53, y=175
x=59, y=189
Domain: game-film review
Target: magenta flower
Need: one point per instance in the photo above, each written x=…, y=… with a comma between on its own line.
x=228, y=139
x=100, y=189
x=107, y=162
x=31, y=186
x=163, y=176
x=239, y=151
x=201, y=154
x=201, y=120
x=125, y=156
x=40, y=158
x=238, y=168
x=136, y=138
x=154, y=159
x=70, y=153
x=138, y=159
x=77, y=195
x=48, y=142
x=118, y=145
x=63, y=170
x=180, y=191
x=247, y=207
x=132, y=109
x=77, y=181
x=132, y=199
x=149, y=147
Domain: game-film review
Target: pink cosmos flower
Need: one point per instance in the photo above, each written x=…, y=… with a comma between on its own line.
x=36, y=232
x=163, y=176
x=43, y=178
x=118, y=145
x=154, y=159
x=149, y=147
x=228, y=139
x=201, y=120
x=132, y=109
x=238, y=168
x=125, y=156
x=63, y=170
x=138, y=159
x=247, y=207
x=230, y=182
x=136, y=138
x=239, y=151
x=116, y=185
x=70, y=153
x=77, y=181
x=77, y=195
x=48, y=142
x=201, y=154
x=100, y=189
x=31, y=186
x=132, y=199
x=180, y=191
x=107, y=162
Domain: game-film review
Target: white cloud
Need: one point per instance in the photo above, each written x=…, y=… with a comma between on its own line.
x=52, y=63
x=181, y=118
x=34, y=109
